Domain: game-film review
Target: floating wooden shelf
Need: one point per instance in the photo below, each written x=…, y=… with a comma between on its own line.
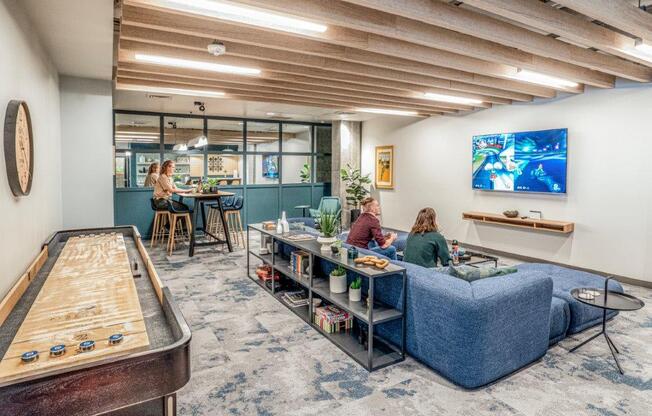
x=563, y=227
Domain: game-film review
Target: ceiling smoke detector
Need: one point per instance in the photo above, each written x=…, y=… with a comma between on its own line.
x=216, y=48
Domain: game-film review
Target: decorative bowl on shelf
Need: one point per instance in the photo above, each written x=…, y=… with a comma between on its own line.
x=512, y=213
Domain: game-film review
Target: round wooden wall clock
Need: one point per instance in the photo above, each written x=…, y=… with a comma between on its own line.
x=19, y=147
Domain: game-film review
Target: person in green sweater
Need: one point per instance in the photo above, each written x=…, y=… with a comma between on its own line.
x=425, y=244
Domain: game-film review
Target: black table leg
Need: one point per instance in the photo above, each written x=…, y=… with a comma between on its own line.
x=203, y=217
x=193, y=221
x=586, y=341
x=227, y=234
x=610, y=344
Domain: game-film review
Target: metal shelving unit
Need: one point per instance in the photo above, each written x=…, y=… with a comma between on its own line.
x=379, y=353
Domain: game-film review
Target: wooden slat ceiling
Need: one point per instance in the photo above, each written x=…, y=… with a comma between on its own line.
x=387, y=54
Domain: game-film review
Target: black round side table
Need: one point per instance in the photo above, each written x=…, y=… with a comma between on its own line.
x=606, y=300
x=302, y=207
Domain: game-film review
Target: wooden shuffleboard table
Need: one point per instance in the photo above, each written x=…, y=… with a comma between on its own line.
x=90, y=329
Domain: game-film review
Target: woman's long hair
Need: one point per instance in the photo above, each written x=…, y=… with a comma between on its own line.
x=426, y=222
x=152, y=168
x=165, y=166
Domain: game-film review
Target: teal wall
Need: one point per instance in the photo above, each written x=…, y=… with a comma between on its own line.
x=262, y=202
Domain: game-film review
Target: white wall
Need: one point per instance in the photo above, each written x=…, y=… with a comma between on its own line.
x=86, y=136
x=609, y=178
x=28, y=74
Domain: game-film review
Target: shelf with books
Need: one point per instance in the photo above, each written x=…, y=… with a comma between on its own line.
x=302, y=311
x=358, y=309
x=284, y=267
x=355, y=314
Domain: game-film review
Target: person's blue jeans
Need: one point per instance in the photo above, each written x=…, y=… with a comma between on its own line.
x=389, y=252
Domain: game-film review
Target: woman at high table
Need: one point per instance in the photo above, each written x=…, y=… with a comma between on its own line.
x=164, y=188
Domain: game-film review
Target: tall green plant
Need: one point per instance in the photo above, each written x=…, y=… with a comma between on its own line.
x=328, y=222
x=304, y=173
x=356, y=183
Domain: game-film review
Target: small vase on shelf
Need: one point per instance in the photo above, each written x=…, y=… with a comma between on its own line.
x=284, y=223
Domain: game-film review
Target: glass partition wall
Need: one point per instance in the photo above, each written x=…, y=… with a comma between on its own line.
x=230, y=151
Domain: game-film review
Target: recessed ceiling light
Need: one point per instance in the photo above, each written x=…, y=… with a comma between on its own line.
x=451, y=98
x=543, y=79
x=385, y=111
x=247, y=15
x=175, y=91
x=201, y=65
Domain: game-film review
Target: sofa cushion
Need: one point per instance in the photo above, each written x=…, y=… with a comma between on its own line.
x=559, y=320
x=582, y=316
x=470, y=273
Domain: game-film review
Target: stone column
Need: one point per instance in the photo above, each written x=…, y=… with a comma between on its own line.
x=347, y=142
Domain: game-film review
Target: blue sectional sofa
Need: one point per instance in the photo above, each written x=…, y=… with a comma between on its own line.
x=475, y=333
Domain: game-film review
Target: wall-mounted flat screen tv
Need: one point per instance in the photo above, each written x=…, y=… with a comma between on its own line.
x=531, y=161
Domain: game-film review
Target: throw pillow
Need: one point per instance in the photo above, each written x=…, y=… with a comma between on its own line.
x=470, y=273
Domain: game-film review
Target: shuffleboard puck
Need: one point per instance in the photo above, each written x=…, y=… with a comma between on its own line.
x=57, y=350
x=29, y=357
x=87, y=346
x=115, y=339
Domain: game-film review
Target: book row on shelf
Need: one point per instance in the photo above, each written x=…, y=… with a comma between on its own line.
x=299, y=262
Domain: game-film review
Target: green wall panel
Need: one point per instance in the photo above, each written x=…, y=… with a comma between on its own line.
x=293, y=196
x=133, y=207
x=261, y=204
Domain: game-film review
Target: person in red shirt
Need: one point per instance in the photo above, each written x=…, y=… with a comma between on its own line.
x=366, y=231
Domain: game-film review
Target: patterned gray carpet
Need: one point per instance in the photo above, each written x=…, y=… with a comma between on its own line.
x=252, y=356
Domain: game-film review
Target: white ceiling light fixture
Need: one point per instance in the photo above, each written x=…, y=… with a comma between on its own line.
x=174, y=91
x=199, y=141
x=216, y=48
x=388, y=112
x=135, y=139
x=543, y=79
x=451, y=98
x=225, y=11
x=140, y=133
x=201, y=65
x=180, y=147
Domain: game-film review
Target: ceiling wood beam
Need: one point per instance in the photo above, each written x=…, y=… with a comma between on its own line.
x=485, y=27
x=617, y=13
x=373, y=76
x=287, y=95
x=240, y=41
x=554, y=58
x=395, y=54
x=328, y=87
x=307, y=65
x=332, y=94
x=542, y=16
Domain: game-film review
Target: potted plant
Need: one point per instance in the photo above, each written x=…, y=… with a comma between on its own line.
x=304, y=173
x=212, y=185
x=355, y=188
x=355, y=290
x=337, y=280
x=328, y=223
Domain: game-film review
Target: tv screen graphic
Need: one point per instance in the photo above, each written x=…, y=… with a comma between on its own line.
x=531, y=161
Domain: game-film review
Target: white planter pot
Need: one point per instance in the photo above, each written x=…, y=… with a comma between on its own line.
x=337, y=284
x=326, y=243
x=355, y=295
